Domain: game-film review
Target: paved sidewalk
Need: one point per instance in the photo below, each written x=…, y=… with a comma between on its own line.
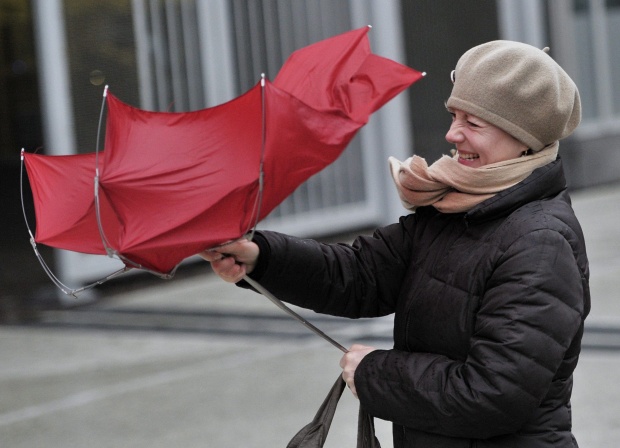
x=599, y=213
x=197, y=362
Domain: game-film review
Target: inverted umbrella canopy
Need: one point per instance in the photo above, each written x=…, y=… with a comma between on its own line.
x=174, y=184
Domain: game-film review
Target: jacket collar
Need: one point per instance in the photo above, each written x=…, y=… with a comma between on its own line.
x=544, y=182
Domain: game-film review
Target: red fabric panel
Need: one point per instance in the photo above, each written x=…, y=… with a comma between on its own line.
x=64, y=201
x=181, y=182
x=312, y=72
x=341, y=75
x=308, y=141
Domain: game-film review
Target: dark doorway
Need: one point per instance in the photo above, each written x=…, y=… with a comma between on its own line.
x=437, y=33
x=20, y=127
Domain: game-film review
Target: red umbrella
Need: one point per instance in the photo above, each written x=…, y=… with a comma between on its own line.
x=174, y=184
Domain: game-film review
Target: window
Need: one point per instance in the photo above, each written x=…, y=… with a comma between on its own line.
x=612, y=14
x=101, y=51
x=585, y=35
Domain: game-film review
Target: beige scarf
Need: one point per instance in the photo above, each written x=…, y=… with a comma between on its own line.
x=451, y=187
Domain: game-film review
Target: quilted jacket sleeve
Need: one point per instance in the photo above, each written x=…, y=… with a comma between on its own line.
x=528, y=317
x=339, y=279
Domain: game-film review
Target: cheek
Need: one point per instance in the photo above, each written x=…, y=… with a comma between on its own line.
x=501, y=147
x=508, y=151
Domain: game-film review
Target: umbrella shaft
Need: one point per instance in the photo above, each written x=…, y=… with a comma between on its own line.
x=292, y=313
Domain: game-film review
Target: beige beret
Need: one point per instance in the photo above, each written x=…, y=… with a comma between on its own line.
x=519, y=89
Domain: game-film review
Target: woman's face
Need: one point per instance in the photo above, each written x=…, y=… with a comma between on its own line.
x=480, y=143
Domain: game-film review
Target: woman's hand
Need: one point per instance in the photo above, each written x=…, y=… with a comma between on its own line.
x=350, y=361
x=232, y=261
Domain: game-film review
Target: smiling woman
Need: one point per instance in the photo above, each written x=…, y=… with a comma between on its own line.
x=487, y=279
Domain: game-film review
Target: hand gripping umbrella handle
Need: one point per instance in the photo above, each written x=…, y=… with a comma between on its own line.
x=292, y=313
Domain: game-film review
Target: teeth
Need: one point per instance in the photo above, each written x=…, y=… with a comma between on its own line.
x=469, y=156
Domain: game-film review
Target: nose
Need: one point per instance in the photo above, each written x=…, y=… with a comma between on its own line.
x=454, y=135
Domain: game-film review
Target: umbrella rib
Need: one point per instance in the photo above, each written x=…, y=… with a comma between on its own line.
x=110, y=251
x=106, y=244
x=261, y=173
x=59, y=284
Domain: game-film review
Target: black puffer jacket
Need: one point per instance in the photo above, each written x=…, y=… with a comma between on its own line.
x=489, y=309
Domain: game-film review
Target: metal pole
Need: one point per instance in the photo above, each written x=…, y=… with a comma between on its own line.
x=292, y=313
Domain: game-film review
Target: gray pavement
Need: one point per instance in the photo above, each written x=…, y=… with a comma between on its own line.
x=197, y=362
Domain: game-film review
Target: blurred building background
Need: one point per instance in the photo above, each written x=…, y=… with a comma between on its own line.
x=178, y=55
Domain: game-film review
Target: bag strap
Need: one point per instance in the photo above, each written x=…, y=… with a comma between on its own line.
x=366, y=431
x=313, y=435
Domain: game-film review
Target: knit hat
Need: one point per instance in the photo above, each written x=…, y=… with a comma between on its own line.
x=518, y=88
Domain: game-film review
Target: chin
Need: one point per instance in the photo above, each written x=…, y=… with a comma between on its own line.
x=475, y=163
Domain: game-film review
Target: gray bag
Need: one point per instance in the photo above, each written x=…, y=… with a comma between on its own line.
x=313, y=435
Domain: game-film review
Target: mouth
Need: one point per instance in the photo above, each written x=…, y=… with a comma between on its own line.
x=468, y=157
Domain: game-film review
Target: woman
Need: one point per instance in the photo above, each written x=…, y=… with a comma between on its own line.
x=488, y=278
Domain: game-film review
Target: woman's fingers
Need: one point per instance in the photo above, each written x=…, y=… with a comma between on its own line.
x=228, y=269
x=211, y=255
x=350, y=361
x=232, y=261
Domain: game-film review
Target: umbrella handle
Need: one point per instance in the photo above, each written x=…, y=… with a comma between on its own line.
x=292, y=313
